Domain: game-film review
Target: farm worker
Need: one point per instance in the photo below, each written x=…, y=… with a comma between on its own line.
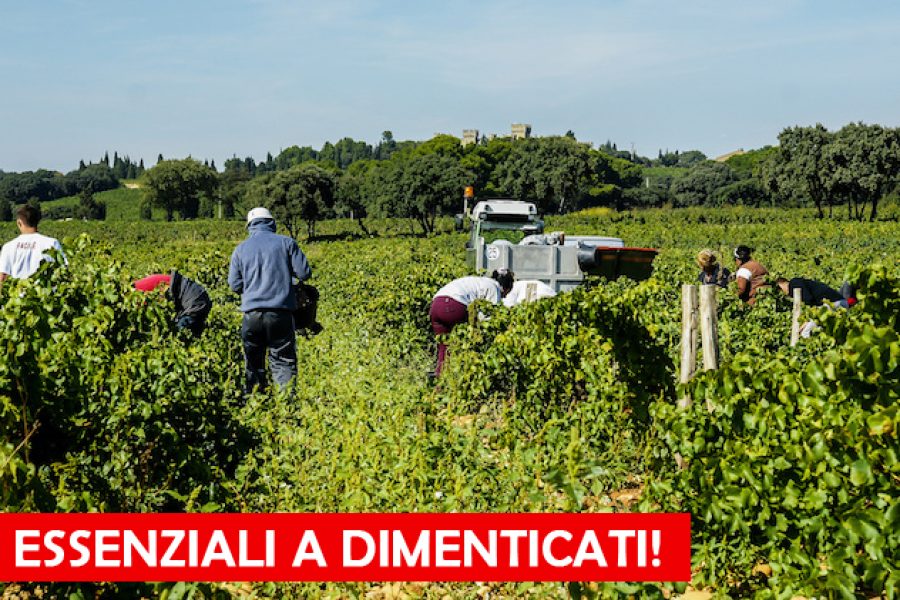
x=21, y=257
x=450, y=305
x=815, y=293
x=750, y=275
x=192, y=303
x=527, y=290
x=262, y=270
x=711, y=272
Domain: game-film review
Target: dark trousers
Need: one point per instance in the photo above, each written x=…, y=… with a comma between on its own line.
x=271, y=330
x=445, y=314
x=195, y=323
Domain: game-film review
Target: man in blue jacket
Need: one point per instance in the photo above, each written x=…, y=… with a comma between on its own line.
x=262, y=270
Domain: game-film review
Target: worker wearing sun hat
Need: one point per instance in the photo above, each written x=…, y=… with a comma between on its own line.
x=262, y=271
x=711, y=272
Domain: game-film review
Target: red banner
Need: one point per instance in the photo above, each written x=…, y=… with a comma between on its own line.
x=345, y=547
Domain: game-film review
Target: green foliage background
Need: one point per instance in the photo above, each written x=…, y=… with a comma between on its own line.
x=564, y=405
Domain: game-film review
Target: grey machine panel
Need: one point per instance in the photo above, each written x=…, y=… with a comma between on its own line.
x=556, y=265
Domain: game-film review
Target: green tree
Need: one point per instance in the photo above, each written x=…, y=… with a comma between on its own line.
x=863, y=164
x=610, y=176
x=482, y=160
x=688, y=158
x=746, y=192
x=303, y=193
x=553, y=172
x=420, y=187
x=644, y=197
x=797, y=170
x=177, y=185
x=89, y=208
x=386, y=147
x=357, y=189
x=40, y=184
x=614, y=170
x=93, y=178
x=443, y=144
x=701, y=183
x=345, y=152
x=232, y=185
x=6, y=211
x=120, y=166
x=294, y=155
x=748, y=164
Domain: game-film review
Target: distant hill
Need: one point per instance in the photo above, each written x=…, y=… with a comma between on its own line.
x=122, y=204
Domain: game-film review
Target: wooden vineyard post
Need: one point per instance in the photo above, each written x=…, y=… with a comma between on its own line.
x=688, y=348
x=795, y=316
x=688, y=336
x=709, y=327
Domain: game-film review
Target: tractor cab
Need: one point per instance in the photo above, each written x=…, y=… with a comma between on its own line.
x=500, y=220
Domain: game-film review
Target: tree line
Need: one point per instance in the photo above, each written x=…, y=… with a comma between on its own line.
x=419, y=181
x=855, y=166
x=43, y=185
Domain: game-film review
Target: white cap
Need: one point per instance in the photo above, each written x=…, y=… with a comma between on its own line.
x=259, y=213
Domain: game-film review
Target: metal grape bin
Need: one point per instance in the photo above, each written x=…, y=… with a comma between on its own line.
x=564, y=267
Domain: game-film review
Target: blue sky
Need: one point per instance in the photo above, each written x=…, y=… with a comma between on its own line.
x=213, y=79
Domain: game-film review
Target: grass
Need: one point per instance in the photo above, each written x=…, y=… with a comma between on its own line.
x=122, y=204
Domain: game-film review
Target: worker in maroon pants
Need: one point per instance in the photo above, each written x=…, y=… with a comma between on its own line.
x=450, y=305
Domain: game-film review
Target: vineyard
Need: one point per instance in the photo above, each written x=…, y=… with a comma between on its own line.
x=791, y=470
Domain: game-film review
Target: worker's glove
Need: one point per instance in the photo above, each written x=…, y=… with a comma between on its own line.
x=808, y=329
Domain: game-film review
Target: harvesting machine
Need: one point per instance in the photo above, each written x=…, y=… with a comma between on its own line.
x=507, y=234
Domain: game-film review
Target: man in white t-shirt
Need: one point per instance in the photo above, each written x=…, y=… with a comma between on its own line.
x=527, y=290
x=21, y=257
